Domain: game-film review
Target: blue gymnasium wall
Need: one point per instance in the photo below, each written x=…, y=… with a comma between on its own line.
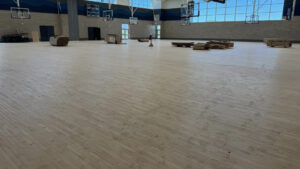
x=289, y=4
x=174, y=13
x=42, y=6
x=120, y=11
x=50, y=6
x=170, y=14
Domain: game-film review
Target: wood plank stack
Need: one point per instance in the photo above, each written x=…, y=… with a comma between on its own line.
x=221, y=44
x=183, y=44
x=113, y=39
x=201, y=46
x=274, y=42
x=143, y=40
x=213, y=45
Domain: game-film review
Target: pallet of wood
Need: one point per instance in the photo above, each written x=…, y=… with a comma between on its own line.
x=217, y=46
x=221, y=44
x=183, y=44
x=278, y=42
x=201, y=46
x=143, y=40
x=213, y=45
x=113, y=39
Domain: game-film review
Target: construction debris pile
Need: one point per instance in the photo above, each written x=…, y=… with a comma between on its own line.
x=205, y=46
x=113, y=39
x=201, y=46
x=213, y=45
x=143, y=40
x=183, y=44
x=273, y=42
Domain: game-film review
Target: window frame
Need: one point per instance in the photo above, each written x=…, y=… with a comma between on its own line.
x=238, y=10
x=125, y=31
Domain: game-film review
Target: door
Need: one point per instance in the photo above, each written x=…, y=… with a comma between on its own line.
x=46, y=32
x=157, y=31
x=97, y=34
x=125, y=31
x=94, y=33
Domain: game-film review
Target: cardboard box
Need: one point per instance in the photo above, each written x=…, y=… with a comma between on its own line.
x=113, y=39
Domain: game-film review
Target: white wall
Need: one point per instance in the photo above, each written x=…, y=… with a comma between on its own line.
x=60, y=23
x=122, y=2
x=167, y=4
x=11, y=26
x=228, y=30
x=156, y=4
x=233, y=30
x=141, y=30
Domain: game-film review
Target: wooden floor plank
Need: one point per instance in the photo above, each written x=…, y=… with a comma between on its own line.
x=92, y=105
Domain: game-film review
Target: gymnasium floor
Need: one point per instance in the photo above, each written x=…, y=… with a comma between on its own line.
x=97, y=106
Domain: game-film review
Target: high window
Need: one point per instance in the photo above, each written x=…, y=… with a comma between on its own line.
x=103, y=1
x=141, y=3
x=239, y=10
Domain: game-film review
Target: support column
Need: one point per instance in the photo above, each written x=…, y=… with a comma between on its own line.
x=73, y=19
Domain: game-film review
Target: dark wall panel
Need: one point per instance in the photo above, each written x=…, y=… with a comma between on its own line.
x=42, y=6
x=120, y=11
x=170, y=14
x=289, y=4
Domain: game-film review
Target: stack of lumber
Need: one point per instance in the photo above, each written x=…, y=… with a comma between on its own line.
x=274, y=42
x=201, y=46
x=213, y=45
x=183, y=44
x=143, y=40
x=113, y=39
x=221, y=44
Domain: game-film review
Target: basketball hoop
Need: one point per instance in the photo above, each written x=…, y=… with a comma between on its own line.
x=156, y=18
x=185, y=21
x=187, y=16
x=108, y=15
x=252, y=19
x=20, y=13
x=133, y=20
x=189, y=10
x=218, y=1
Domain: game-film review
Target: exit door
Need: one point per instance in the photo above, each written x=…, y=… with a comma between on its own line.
x=46, y=32
x=94, y=33
x=157, y=30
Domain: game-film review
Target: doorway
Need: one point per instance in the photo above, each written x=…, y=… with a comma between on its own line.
x=125, y=31
x=157, y=31
x=46, y=32
x=94, y=33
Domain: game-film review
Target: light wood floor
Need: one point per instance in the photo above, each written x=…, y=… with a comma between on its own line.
x=97, y=106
